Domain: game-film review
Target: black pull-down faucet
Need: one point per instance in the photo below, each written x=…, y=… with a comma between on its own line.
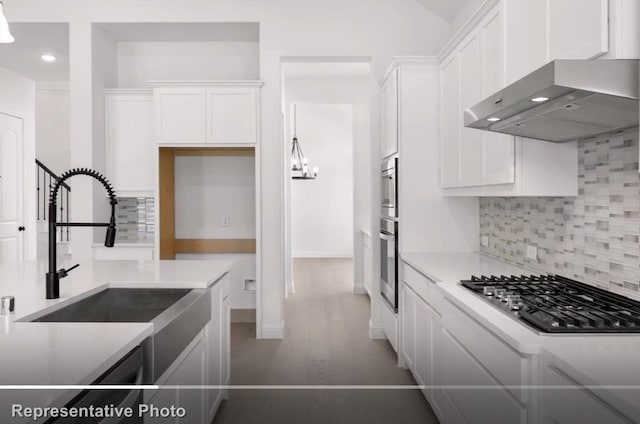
x=53, y=276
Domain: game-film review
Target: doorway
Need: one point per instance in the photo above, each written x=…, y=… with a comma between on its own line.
x=11, y=190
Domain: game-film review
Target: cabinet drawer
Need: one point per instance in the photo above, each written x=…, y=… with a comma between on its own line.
x=489, y=403
x=568, y=405
x=424, y=287
x=506, y=365
x=123, y=253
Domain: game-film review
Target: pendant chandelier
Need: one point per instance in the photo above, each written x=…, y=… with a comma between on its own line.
x=299, y=163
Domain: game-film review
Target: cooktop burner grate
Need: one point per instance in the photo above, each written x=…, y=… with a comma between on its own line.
x=555, y=304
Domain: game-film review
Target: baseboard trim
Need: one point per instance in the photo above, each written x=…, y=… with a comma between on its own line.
x=376, y=332
x=273, y=331
x=321, y=255
x=359, y=290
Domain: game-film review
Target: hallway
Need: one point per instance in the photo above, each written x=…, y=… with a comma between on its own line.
x=326, y=343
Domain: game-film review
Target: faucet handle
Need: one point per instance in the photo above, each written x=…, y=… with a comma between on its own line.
x=64, y=272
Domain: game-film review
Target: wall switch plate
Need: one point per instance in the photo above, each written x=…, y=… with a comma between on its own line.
x=532, y=252
x=226, y=221
x=484, y=241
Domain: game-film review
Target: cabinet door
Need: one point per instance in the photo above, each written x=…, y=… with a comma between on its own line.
x=409, y=327
x=471, y=164
x=578, y=29
x=498, y=150
x=179, y=115
x=424, y=354
x=214, y=337
x=568, y=406
x=450, y=122
x=130, y=146
x=481, y=404
x=232, y=115
x=226, y=341
x=192, y=372
x=525, y=37
x=389, y=142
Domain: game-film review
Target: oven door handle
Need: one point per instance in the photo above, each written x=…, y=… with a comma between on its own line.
x=387, y=237
x=128, y=402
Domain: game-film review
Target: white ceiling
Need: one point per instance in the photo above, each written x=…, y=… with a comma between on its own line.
x=32, y=40
x=446, y=9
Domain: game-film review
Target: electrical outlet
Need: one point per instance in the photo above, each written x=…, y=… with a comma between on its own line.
x=532, y=252
x=226, y=221
x=484, y=241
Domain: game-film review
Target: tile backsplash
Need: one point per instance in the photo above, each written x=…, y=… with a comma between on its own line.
x=593, y=237
x=135, y=219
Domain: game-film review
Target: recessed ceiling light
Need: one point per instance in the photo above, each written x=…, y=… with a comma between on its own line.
x=48, y=57
x=494, y=119
x=539, y=99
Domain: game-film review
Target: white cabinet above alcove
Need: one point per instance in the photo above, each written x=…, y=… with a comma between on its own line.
x=206, y=112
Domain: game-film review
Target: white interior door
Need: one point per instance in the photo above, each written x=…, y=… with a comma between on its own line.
x=11, y=189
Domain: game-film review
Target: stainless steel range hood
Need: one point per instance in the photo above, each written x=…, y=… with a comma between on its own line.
x=564, y=100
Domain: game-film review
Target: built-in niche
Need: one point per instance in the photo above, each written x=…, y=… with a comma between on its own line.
x=207, y=201
x=207, y=210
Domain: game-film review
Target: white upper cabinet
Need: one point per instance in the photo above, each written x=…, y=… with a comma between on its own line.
x=526, y=37
x=473, y=71
x=450, y=121
x=130, y=146
x=232, y=115
x=180, y=115
x=389, y=100
x=508, y=42
x=538, y=31
x=577, y=29
x=221, y=113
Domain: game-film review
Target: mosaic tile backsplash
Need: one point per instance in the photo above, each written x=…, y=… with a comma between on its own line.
x=135, y=219
x=593, y=237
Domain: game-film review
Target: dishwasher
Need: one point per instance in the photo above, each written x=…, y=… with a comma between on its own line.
x=128, y=371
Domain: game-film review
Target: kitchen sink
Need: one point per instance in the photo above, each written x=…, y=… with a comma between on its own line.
x=177, y=315
x=118, y=305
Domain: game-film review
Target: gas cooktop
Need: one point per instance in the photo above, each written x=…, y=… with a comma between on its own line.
x=554, y=304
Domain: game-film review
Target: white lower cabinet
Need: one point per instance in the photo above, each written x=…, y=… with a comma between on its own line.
x=205, y=362
x=390, y=325
x=408, y=330
x=569, y=405
x=189, y=371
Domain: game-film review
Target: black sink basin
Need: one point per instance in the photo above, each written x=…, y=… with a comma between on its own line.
x=118, y=305
x=177, y=315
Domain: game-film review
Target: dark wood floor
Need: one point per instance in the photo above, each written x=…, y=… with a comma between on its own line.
x=326, y=343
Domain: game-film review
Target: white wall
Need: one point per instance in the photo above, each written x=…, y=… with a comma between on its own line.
x=104, y=66
x=380, y=30
x=18, y=98
x=52, y=126
x=139, y=62
x=211, y=188
x=322, y=209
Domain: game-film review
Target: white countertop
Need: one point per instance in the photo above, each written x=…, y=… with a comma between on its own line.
x=77, y=353
x=594, y=359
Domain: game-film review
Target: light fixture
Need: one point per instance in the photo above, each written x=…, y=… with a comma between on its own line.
x=47, y=57
x=540, y=99
x=493, y=119
x=299, y=163
x=5, y=34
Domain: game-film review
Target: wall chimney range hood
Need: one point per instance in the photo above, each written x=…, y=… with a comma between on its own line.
x=564, y=100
